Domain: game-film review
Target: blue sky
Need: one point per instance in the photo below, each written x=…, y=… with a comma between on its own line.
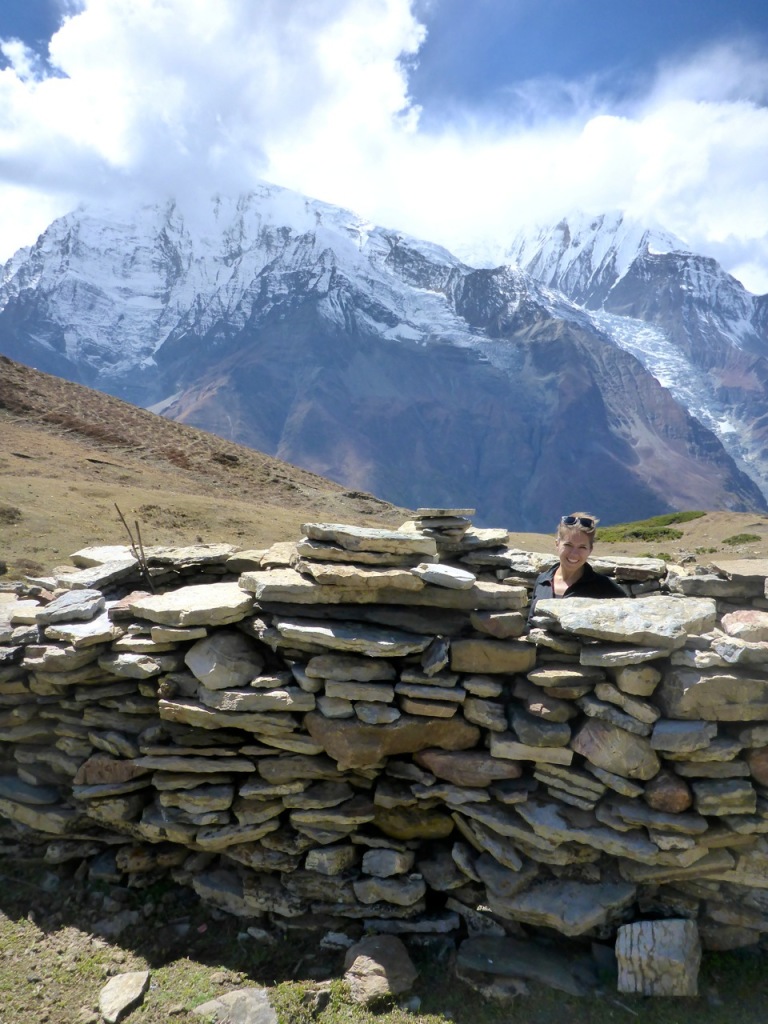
x=34, y=21
x=454, y=120
x=478, y=50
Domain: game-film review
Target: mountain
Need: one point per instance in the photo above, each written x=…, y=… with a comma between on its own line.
x=693, y=326
x=378, y=360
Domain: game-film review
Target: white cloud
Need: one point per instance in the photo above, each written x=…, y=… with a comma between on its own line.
x=186, y=97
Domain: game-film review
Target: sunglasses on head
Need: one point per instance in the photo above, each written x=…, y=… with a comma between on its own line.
x=585, y=521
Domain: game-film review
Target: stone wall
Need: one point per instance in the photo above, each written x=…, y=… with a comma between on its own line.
x=357, y=728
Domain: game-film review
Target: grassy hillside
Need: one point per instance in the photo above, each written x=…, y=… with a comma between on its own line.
x=70, y=454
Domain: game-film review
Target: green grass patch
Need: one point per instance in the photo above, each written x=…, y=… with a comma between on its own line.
x=741, y=538
x=657, y=528
x=614, y=534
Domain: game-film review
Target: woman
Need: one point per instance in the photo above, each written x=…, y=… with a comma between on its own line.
x=573, y=576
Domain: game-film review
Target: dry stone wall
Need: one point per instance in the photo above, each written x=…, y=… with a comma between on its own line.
x=357, y=727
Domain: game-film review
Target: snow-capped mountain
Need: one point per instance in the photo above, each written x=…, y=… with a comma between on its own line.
x=379, y=360
x=585, y=256
x=693, y=326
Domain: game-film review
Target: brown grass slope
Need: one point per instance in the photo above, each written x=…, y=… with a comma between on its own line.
x=69, y=454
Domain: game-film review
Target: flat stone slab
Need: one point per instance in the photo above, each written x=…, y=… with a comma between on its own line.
x=615, y=750
x=570, y=907
x=184, y=555
x=676, y=736
x=320, y=551
x=547, y=821
x=373, y=641
x=23, y=613
x=194, y=713
x=501, y=625
x=637, y=812
x=513, y=958
x=402, y=891
x=75, y=606
x=724, y=796
x=656, y=621
x=639, y=709
x=571, y=780
x=507, y=745
x=466, y=767
x=85, y=558
x=737, y=651
x=619, y=656
x=13, y=788
x=343, y=575
x=445, y=576
x=625, y=567
x=241, y=1006
x=444, y=513
x=121, y=994
x=98, y=576
x=53, y=820
x=208, y=604
x=565, y=676
x=714, y=585
x=743, y=569
x=98, y=630
x=343, y=667
x=288, y=586
x=747, y=624
x=288, y=698
x=358, y=538
x=713, y=695
x=609, y=712
x=54, y=658
x=355, y=744
x=138, y=666
x=195, y=765
x=480, y=538
x=490, y=656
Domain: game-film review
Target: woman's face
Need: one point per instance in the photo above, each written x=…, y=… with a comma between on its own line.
x=574, y=548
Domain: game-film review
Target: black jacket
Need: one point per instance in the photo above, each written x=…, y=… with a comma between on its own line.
x=589, y=584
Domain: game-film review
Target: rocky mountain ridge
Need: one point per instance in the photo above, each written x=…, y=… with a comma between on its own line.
x=382, y=361
x=693, y=326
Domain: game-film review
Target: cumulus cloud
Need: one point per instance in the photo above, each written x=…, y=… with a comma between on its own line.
x=186, y=98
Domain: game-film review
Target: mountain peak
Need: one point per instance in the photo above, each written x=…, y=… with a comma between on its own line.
x=585, y=255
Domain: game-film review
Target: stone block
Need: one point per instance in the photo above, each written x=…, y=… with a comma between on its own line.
x=659, y=958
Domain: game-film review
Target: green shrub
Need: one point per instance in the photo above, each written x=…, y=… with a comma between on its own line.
x=657, y=528
x=742, y=538
x=647, y=533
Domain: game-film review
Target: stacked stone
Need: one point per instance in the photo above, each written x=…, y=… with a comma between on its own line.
x=116, y=568
x=364, y=707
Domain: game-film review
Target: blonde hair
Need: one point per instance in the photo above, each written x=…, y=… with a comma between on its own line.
x=563, y=528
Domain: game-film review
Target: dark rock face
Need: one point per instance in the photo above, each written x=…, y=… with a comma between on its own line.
x=386, y=364
x=401, y=422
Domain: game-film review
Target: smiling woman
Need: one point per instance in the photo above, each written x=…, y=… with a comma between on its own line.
x=573, y=576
